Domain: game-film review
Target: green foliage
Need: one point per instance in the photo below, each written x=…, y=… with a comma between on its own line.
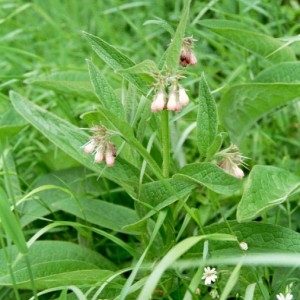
x=214, y=183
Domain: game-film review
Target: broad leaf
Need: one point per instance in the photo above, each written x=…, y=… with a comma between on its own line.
x=55, y=263
x=244, y=104
x=207, y=120
x=250, y=40
x=70, y=139
x=116, y=60
x=104, y=92
x=266, y=187
x=283, y=72
x=210, y=176
x=260, y=238
x=68, y=82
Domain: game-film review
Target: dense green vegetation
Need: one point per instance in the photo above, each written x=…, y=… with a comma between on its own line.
x=113, y=186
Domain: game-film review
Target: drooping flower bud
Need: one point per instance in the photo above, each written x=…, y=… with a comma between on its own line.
x=187, y=55
x=159, y=101
x=99, y=155
x=173, y=99
x=183, y=98
x=110, y=154
x=90, y=146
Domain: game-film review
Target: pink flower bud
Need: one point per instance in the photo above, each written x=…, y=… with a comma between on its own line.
x=110, y=155
x=237, y=172
x=159, y=101
x=172, y=100
x=183, y=98
x=99, y=155
x=89, y=147
x=193, y=58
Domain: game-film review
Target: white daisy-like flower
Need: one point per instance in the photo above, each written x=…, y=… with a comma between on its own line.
x=209, y=275
x=288, y=296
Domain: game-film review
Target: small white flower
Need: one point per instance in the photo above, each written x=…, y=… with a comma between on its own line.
x=244, y=246
x=209, y=275
x=288, y=296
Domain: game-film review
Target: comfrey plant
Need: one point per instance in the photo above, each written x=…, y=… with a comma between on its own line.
x=175, y=215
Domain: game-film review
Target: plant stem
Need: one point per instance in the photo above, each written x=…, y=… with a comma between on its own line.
x=165, y=142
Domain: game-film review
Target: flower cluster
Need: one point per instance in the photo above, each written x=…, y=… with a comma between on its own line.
x=231, y=159
x=173, y=101
x=288, y=296
x=100, y=146
x=187, y=55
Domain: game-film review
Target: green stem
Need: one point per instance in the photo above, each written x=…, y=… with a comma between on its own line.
x=165, y=142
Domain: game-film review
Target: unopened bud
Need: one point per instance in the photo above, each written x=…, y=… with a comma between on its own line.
x=172, y=99
x=237, y=172
x=159, y=101
x=99, y=155
x=183, y=98
x=89, y=147
x=110, y=155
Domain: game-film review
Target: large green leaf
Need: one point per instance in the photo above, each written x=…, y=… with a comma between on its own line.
x=207, y=120
x=250, y=40
x=283, y=72
x=116, y=60
x=266, y=187
x=55, y=263
x=210, y=176
x=244, y=104
x=70, y=139
x=105, y=92
x=260, y=237
x=67, y=82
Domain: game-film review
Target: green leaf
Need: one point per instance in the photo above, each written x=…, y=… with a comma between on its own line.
x=67, y=82
x=210, y=176
x=10, y=224
x=207, y=120
x=70, y=139
x=55, y=263
x=116, y=60
x=104, y=91
x=283, y=72
x=255, y=42
x=266, y=187
x=172, y=54
x=260, y=237
x=145, y=67
x=244, y=104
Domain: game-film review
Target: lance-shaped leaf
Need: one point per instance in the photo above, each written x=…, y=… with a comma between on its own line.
x=244, y=104
x=105, y=92
x=70, y=139
x=207, y=120
x=250, y=40
x=267, y=186
x=116, y=60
